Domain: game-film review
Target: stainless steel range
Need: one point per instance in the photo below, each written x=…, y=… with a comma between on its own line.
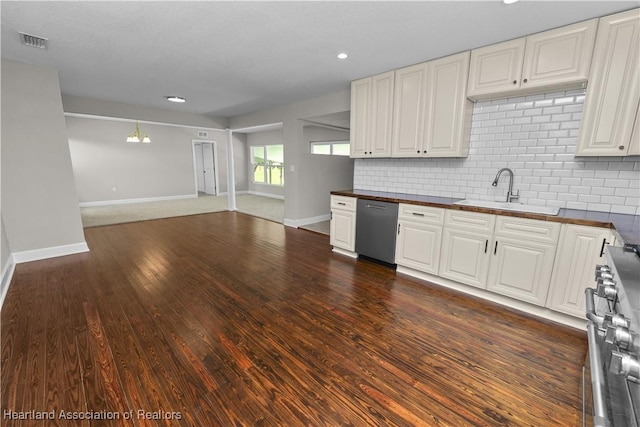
x=613, y=330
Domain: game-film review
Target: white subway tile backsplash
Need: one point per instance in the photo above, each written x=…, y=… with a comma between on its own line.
x=533, y=135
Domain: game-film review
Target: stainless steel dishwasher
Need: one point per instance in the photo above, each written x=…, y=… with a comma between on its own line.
x=376, y=224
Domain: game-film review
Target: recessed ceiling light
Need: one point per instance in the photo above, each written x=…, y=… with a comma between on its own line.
x=342, y=55
x=176, y=99
x=509, y=1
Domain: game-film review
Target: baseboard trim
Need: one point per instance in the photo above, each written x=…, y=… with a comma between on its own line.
x=297, y=223
x=52, y=252
x=259, y=193
x=142, y=200
x=345, y=252
x=5, y=281
x=541, y=312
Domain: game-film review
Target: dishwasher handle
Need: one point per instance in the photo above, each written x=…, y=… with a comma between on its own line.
x=370, y=206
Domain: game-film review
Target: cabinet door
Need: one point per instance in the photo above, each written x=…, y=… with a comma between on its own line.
x=559, y=56
x=634, y=144
x=381, y=115
x=521, y=269
x=343, y=229
x=448, y=111
x=496, y=68
x=465, y=256
x=408, y=111
x=613, y=93
x=418, y=246
x=360, y=116
x=579, y=250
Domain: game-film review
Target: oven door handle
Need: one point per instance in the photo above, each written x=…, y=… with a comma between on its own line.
x=591, y=307
x=600, y=416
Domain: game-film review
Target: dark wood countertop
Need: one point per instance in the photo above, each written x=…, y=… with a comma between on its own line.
x=627, y=226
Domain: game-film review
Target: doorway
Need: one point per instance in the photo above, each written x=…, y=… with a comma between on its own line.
x=206, y=167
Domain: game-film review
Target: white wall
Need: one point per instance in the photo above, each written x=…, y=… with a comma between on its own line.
x=322, y=174
x=102, y=160
x=240, y=161
x=39, y=201
x=298, y=193
x=536, y=137
x=264, y=138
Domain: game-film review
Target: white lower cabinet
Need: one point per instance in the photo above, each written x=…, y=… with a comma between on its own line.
x=506, y=255
x=419, y=237
x=580, y=249
x=522, y=258
x=343, y=223
x=466, y=240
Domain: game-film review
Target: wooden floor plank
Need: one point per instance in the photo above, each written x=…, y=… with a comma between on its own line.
x=225, y=319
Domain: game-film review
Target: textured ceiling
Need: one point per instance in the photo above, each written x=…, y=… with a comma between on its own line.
x=232, y=57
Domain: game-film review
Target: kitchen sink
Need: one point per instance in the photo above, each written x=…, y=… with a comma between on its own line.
x=516, y=207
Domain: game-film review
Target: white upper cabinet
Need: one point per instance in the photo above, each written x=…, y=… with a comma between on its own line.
x=552, y=59
x=496, y=68
x=360, y=111
x=371, y=115
x=408, y=111
x=634, y=144
x=613, y=94
x=432, y=115
x=448, y=111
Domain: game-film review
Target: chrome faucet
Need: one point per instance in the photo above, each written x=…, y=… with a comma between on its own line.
x=511, y=196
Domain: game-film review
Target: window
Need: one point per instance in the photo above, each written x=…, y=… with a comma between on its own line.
x=268, y=164
x=331, y=148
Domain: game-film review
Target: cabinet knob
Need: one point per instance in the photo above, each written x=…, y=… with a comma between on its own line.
x=621, y=147
x=418, y=151
x=525, y=80
x=515, y=82
x=425, y=151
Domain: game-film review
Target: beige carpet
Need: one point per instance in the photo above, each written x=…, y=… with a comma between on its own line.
x=263, y=207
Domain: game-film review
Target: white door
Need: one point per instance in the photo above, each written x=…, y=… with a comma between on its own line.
x=209, y=170
x=465, y=257
x=343, y=229
x=581, y=248
x=408, y=111
x=496, y=68
x=197, y=148
x=418, y=246
x=522, y=269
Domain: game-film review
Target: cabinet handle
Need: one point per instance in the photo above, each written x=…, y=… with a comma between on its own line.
x=621, y=147
x=398, y=228
x=341, y=203
x=418, y=151
x=515, y=82
x=417, y=214
x=486, y=245
x=495, y=248
x=604, y=242
x=525, y=80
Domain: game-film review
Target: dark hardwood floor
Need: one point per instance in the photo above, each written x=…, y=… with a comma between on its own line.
x=227, y=320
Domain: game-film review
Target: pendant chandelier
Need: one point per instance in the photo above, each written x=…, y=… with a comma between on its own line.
x=137, y=136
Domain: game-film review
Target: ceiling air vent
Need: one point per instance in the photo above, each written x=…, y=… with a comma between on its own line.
x=33, y=41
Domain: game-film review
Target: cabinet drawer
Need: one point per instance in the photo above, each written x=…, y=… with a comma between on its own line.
x=529, y=229
x=344, y=203
x=474, y=221
x=422, y=214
